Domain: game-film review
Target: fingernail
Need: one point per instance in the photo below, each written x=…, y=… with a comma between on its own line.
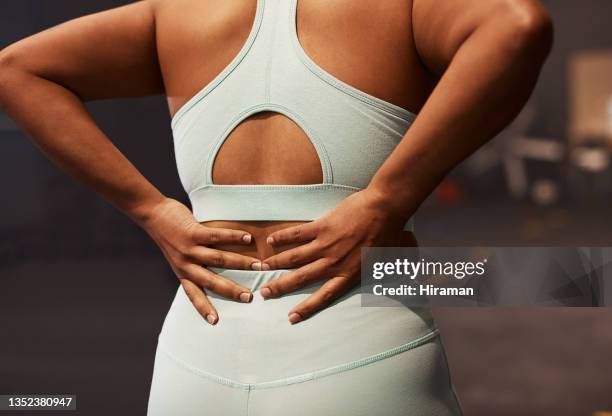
x=246, y=297
x=247, y=238
x=270, y=240
x=211, y=318
x=265, y=292
x=265, y=266
x=294, y=318
x=256, y=265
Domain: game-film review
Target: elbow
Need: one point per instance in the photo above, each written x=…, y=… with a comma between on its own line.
x=528, y=28
x=13, y=73
x=9, y=66
x=9, y=61
x=15, y=59
x=6, y=62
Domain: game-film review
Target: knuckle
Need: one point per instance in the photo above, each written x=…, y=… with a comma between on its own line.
x=190, y=296
x=199, y=304
x=211, y=284
x=189, y=253
x=187, y=290
x=214, y=236
x=239, y=262
x=306, y=310
x=217, y=259
x=278, y=237
x=325, y=244
x=323, y=226
x=182, y=249
x=204, y=237
x=182, y=268
x=280, y=289
x=327, y=295
x=301, y=279
x=185, y=253
x=295, y=258
x=332, y=260
x=191, y=232
x=302, y=311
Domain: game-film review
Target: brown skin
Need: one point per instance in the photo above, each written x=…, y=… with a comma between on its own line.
x=466, y=67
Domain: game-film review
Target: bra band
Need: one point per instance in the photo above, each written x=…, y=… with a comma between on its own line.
x=269, y=202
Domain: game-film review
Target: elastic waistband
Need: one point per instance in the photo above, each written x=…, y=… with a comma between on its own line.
x=268, y=202
x=252, y=279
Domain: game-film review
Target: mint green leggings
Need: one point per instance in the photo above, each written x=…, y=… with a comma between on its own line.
x=348, y=360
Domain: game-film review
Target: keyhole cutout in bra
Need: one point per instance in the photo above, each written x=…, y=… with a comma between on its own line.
x=267, y=148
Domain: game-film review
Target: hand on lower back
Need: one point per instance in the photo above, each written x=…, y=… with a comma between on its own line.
x=185, y=244
x=332, y=251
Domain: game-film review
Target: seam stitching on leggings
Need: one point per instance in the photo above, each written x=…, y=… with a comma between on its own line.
x=248, y=401
x=306, y=376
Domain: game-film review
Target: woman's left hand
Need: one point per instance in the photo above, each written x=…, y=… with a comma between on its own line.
x=332, y=250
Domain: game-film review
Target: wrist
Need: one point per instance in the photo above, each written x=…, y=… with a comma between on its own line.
x=143, y=211
x=403, y=192
x=395, y=207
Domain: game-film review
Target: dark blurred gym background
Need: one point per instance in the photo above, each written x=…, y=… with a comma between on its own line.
x=83, y=292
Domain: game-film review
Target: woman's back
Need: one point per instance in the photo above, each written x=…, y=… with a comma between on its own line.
x=366, y=45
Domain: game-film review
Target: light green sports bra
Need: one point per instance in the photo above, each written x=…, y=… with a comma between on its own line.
x=353, y=132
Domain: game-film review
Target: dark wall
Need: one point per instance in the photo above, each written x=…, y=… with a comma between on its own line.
x=578, y=25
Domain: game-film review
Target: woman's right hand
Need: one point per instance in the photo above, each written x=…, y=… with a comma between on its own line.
x=184, y=243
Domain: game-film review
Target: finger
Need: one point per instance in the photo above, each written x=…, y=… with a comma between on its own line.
x=220, y=258
x=211, y=235
x=322, y=298
x=200, y=301
x=296, y=234
x=220, y=285
x=294, y=257
x=294, y=280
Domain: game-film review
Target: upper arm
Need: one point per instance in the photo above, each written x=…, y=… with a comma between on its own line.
x=441, y=26
x=102, y=55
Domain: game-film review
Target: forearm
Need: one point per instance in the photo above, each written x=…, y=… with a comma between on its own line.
x=59, y=124
x=485, y=85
